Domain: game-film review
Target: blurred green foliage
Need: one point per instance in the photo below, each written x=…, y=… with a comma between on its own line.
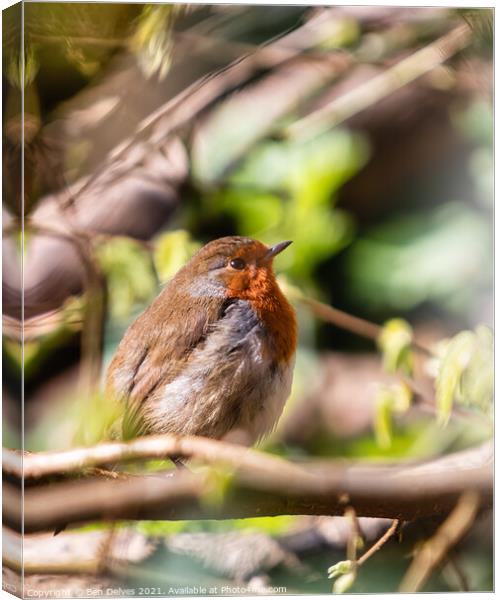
x=412, y=437
x=395, y=343
x=172, y=250
x=97, y=416
x=440, y=254
x=435, y=252
x=465, y=372
x=390, y=400
x=67, y=44
x=287, y=190
x=343, y=32
x=272, y=525
x=476, y=124
x=219, y=480
x=76, y=40
x=129, y=274
x=152, y=39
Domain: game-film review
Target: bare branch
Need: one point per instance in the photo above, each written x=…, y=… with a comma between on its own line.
x=453, y=565
x=379, y=543
x=423, y=391
x=381, y=86
x=190, y=102
x=42, y=464
x=95, y=287
x=351, y=323
x=435, y=550
x=260, y=485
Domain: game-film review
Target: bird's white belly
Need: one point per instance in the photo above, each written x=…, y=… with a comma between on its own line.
x=257, y=423
x=230, y=382
x=188, y=406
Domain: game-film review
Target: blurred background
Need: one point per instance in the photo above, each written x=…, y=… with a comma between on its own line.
x=363, y=134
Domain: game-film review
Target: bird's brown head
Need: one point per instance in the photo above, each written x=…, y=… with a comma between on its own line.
x=234, y=267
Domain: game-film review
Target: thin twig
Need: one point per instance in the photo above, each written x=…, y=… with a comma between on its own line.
x=356, y=533
x=434, y=550
x=106, y=473
x=353, y=324
x=454, y=566
x=95, y=287
x=381, y=86
x=185, y=106
x=379, y=543
x=451, y=563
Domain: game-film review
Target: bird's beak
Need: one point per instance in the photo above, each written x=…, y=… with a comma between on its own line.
x=275, y=250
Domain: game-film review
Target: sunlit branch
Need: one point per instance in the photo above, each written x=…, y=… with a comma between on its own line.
x=258, y=485
x=372, y=91
x=434, y=551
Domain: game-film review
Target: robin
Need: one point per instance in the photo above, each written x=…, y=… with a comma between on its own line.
x=214, y=353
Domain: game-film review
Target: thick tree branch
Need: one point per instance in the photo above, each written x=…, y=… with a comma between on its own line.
x=41, y=464
x=260, y=485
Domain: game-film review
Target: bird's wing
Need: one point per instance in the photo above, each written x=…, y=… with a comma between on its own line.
x=156, y=347
x=225, y=379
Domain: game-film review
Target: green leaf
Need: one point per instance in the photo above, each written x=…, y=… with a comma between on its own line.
x=383, y=419
x=390, y=400
x=172, y=251
x=456, y=357
x=129, y=273
x=16, y=70
x=340, y=568
x=345, y=574
x=97, y=416
x=341, y=33
x=465, y=372
x=402, y=396
x=477, y=381
x=152, y=41
x=395, y=344
x=344, y=583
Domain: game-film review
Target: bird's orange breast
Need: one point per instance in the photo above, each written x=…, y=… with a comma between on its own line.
x=273, y=309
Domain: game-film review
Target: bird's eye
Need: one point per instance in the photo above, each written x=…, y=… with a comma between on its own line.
x=237, y=263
